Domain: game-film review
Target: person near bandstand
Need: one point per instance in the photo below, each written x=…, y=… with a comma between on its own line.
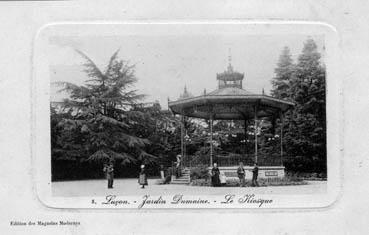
x=178, y=165
x=142, y=179
x=255, y=173
x=241, y=174
x=162, y=175
x=215, y=180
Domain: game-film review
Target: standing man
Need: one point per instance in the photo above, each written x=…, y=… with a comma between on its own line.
x=215, y=176
x=241, y=175
x=109, y=171
x=255, y=173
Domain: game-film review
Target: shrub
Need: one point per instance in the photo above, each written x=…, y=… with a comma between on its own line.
x=280, y=181
x=200, y=172
x=201, y=182
x=306, y=176
x=234, y=182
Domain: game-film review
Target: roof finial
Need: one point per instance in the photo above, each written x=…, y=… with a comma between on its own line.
x=229, y=56
x=185, y=89
x=230, y=68
x=185, y=93
x=263, y=91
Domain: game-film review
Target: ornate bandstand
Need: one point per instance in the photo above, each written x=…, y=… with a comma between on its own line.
x=231, y=102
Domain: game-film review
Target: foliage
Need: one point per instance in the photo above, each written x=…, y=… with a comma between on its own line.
x=304, y=127
x=284, y=72
x=306, y=175
x=200, y=182
x=200, y=172
x=285, y=181
x=98, y=126
x=234, y=182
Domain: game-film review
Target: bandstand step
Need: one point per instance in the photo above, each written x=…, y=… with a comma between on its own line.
x=180, y=182
x=182, y=179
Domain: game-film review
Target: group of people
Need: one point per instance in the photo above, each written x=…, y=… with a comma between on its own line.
x=217, y=179
x=109, y=172
x=108, y=169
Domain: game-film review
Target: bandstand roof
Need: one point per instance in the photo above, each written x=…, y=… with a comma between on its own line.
x=229, y=102
x=230, y=91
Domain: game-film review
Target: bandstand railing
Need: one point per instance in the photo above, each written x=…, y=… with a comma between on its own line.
x=232, y=160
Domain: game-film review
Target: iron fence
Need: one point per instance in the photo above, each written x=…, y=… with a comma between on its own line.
x=232, y=160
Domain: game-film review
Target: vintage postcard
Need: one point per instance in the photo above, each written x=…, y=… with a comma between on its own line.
x=187, y=116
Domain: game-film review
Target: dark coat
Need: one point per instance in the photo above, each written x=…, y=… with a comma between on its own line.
x=215, y=181
x=255, y=172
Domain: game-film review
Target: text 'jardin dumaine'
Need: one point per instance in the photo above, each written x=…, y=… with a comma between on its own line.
x=179, y=199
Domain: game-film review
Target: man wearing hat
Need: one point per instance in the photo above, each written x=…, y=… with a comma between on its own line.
x=255, y=173
x=109, y=171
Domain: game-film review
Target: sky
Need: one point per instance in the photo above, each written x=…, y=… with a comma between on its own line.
x=165, y=63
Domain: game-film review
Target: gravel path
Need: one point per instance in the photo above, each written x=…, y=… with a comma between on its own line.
x=130, y=187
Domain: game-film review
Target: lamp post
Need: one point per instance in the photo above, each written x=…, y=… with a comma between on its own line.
x=211, y=140
x=255, y=133
x=187, y=140
x=281, y=136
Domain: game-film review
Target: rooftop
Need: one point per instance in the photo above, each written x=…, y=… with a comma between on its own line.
x=229, y=102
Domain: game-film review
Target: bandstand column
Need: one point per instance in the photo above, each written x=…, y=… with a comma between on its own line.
x=245, y=129
x=182, y=136
x=281, y=136
x=211, y=140
x=255, y=133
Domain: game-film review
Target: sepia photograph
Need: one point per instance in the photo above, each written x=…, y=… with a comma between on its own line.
x=187, y=113
x=225, y=117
